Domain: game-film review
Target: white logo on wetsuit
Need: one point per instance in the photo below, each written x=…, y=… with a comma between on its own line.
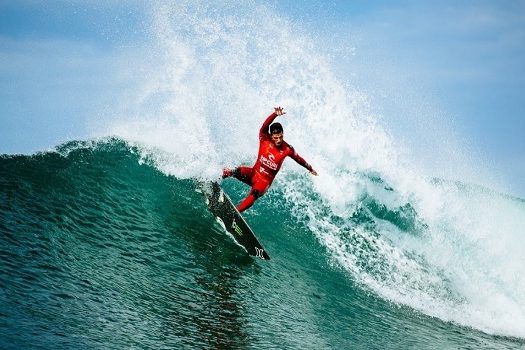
x=269, y=162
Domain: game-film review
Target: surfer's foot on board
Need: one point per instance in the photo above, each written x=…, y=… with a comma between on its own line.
x=226, y=173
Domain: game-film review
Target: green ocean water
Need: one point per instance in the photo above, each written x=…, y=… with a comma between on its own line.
x=101, y=250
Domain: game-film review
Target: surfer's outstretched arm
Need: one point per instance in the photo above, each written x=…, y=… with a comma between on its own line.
x=300, y=160
x=264, y=128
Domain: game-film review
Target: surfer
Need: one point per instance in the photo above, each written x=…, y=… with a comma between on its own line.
x=272, y=152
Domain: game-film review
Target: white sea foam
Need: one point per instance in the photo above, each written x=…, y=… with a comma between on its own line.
x=212, y=74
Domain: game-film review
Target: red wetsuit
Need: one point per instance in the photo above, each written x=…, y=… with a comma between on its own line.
x=269, y=161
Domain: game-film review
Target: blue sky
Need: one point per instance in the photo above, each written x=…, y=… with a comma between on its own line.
x=423, y=64
x=451, y=67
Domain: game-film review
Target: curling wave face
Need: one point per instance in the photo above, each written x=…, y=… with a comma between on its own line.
x=94, y=234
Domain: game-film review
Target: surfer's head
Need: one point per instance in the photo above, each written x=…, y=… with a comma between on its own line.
x=276, y=131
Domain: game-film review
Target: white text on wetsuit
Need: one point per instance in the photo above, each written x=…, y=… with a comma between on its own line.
x=267, y=162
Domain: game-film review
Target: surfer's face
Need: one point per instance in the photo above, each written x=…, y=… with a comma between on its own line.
x=277, y=139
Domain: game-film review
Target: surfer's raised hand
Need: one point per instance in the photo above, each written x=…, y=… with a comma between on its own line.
x=313, y=172
x=279, y=110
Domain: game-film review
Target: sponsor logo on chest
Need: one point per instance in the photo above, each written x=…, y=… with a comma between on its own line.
x=269, y=161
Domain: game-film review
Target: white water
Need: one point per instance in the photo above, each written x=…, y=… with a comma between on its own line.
x=209, y=76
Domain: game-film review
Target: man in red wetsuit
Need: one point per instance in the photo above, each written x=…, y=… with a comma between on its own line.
x=272, y=152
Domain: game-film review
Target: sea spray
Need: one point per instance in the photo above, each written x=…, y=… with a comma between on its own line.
x=217, y=71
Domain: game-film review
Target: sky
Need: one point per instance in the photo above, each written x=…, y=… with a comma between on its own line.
x=431, y=69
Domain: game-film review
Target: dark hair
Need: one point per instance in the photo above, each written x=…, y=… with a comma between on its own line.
x=276, y=128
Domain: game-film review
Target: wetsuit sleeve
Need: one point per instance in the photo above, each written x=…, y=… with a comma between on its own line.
x=300, y=160
x=263, y=132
